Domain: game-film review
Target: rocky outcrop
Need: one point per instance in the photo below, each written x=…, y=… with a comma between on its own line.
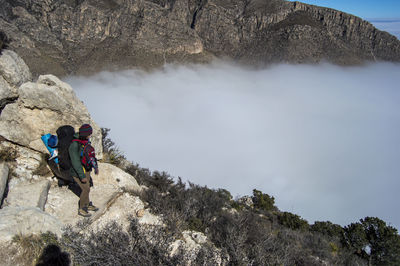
x=28, y=195
x=41, y=107
x=86, y=36
x=26, y=221
x=32, y=201
x=31, y=109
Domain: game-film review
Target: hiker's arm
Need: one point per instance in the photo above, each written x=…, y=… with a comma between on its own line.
x=75, y=156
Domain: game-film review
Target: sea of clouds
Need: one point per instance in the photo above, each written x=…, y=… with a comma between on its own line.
x=323, y=140
x=390, y=25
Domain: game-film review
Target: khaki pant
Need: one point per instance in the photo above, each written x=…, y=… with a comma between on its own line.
x=85, y=187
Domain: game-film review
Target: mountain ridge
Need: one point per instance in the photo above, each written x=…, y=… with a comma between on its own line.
x=67, y=37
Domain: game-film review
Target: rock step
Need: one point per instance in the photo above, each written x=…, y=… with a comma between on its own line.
x=28, y=195
x=26, y=221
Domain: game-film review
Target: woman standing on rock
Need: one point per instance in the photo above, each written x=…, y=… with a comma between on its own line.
x=79, y=173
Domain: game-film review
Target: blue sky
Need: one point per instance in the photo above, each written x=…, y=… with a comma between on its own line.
x=367, y=9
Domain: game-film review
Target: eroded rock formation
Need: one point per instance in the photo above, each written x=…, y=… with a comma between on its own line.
x=85, y=36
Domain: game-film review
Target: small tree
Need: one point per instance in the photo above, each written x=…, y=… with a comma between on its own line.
x=372, y=239
x=263, y=201
x=112, y=154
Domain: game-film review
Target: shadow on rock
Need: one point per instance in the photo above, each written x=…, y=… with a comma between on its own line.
x=52, y=255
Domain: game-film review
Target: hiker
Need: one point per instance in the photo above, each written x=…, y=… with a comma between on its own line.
x=81, y=173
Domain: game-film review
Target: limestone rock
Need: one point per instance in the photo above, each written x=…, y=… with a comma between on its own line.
x=29, y=195
x=41, y=108
x=246, y=200
x=3, y=177
x=110, y=174
x=118, y=211
x=25, y=221
x=24, y=164
x=13, y=69
x=63, y=202
x=194, y=237
x=191, y=243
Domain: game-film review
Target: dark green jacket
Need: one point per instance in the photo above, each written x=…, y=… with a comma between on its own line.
x=75, y=150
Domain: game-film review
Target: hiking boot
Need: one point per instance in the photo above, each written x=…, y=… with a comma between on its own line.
x=84, y=212
x=91, y=207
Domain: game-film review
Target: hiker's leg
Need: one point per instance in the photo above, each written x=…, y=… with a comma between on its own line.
x=84, y=196
x=88, y=177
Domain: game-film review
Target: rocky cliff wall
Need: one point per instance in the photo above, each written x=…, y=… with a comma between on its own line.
x=85, y=36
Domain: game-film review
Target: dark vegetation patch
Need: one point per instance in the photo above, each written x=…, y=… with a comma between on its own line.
x=301, y=18
x=262, y=6
x=104, y=4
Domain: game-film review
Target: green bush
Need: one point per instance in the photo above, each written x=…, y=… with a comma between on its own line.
x=292, y=221
x=328, y=229
x=263, y=201
x=372, y=233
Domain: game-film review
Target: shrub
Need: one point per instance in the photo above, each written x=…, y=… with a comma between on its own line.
x=372, y=233
x=139, y=245
x=328, y=229
x=263, y=201
x=292, y=221
x=112, y=154
x=8, y=155
x=142, y=175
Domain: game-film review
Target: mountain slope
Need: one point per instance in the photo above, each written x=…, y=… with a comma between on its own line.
x=85, y=36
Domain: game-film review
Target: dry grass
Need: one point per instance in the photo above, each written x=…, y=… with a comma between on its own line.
x=30, y=248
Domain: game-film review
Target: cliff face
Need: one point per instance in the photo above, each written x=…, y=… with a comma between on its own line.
x=67, y=36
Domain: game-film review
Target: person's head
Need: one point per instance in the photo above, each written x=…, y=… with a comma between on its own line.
x=85, y=131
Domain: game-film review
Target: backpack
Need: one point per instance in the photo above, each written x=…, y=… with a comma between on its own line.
x=65, y=135
x=88, y=156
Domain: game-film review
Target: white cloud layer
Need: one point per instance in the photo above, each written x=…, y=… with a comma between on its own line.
x=323, y=140
x=390, y=25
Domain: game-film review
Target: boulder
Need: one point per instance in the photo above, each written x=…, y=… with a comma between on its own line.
x=110, y=174
x=13, y=69
x=29, y=195
x=42, y=107
x=26, y=221
x=246, y=200
x=3, y=178
x=121, y=209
